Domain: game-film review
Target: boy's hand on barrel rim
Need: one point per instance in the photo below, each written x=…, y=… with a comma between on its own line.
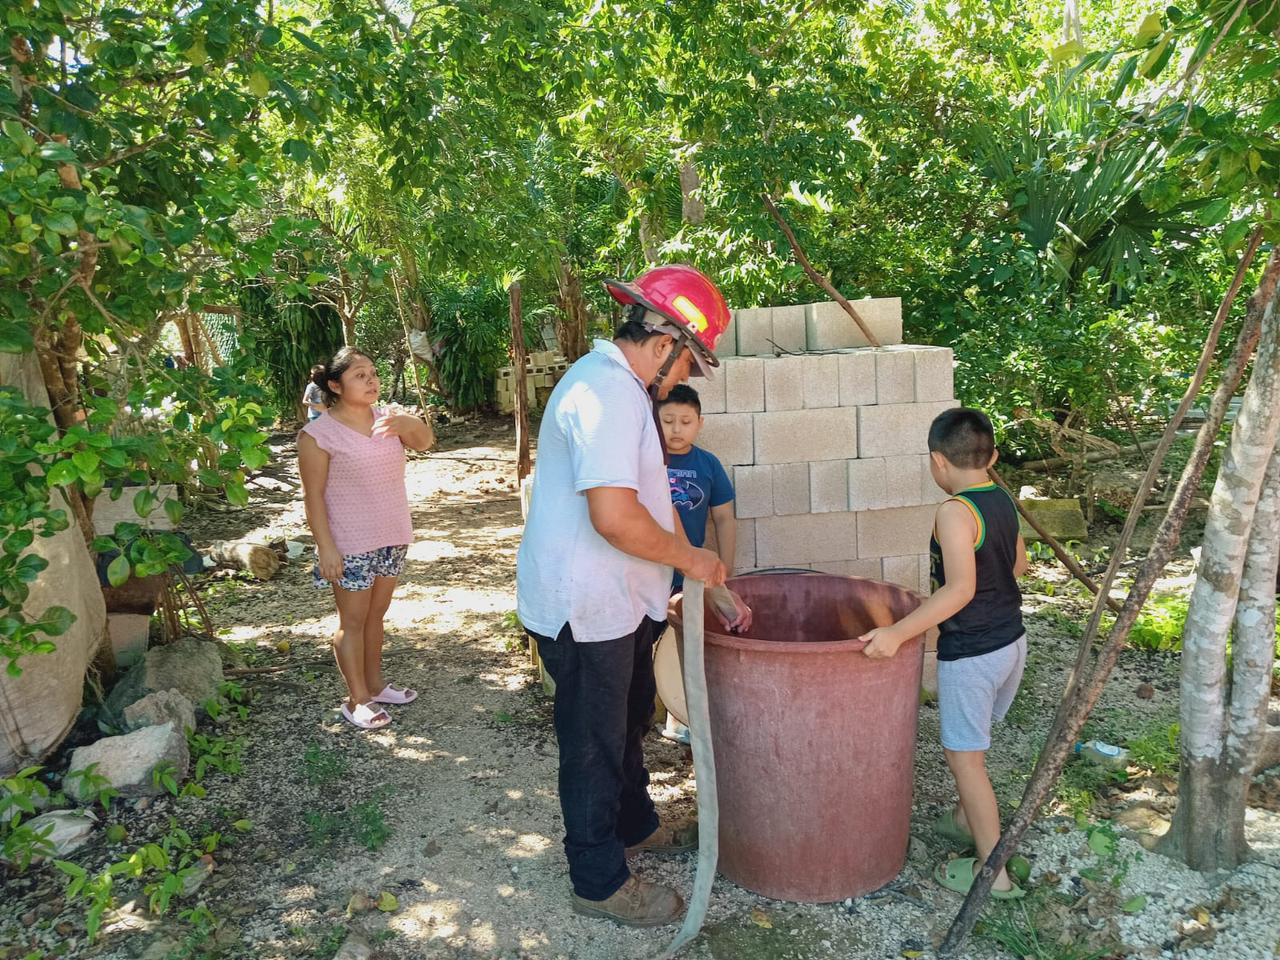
x=882, y=642
x=730, y=609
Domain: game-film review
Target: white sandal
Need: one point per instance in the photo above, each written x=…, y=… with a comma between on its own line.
x=366, y=717
x=390, y=694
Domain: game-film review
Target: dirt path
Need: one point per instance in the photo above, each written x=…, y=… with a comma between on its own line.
x=453, y=809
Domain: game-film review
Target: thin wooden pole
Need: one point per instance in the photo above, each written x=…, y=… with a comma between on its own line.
x=214, y=352
x=812, y=273
x=408, y=343
x=524, y=462
x=1058, y=549
x=183, y=323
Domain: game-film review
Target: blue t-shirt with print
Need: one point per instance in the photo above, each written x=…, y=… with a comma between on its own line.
x=698, y=483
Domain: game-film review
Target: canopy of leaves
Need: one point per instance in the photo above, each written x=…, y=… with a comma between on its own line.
x=1062, y=202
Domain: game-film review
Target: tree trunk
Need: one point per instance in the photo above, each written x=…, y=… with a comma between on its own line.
x=183, y=323
x=1269, y=748
x=651, y=234
x=1237, y=563
x=408, y=345
x=524, y=463
x=692, y=209
x=1224, y=720
x=1085, y=685
x=571, y=327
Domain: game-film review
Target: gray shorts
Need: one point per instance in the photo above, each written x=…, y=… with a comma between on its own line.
x=975, y=692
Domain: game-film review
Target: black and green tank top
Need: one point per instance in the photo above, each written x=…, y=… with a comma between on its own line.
x=993, y=618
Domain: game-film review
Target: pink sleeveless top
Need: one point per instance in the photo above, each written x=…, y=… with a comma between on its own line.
x=364, y=494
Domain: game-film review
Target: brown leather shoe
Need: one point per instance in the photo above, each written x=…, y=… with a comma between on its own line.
x=669, y=839
x=637, y=903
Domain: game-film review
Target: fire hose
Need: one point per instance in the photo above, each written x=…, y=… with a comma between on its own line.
x=704, y=763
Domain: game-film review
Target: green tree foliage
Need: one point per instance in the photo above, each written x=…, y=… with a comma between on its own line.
x=1063, y=204
x=133, y=142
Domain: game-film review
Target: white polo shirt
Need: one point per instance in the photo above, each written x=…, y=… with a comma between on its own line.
x=598, y=431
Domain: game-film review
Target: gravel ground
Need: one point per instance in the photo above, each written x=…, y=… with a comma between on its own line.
x=464, y=784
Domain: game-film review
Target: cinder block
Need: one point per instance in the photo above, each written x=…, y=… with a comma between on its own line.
x=107, y=512
x=902, y=481
x=788, y=327
x=727, y=345
x=755, y=330
x=867, y=569
x=828, y=327
x=867, y=489
x=711, y=391
x=744, y=554
x=904, y=571
x=790, y=489
x=798, y=436
x=730, y=436
x=896, y=429
x=894, y=533
x=895, y=375
x=753, y=491
x=857, y=377
x=884, y=316
x=129, y=633
x=821, y=382
x=929, y=674
x=829, y=486
x=935, y=373
x=810, y=538
x=930, y=492
x=926, y=587
x=784, y=383
x=744, y=385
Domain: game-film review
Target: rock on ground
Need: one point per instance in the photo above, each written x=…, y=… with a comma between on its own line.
x=64, y=830
x=163, y=706
x=128, y=761
x=192, y=667
x=355, y=947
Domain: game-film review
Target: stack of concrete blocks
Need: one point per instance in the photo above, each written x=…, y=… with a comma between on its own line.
x=825, y=439
x=543, y=371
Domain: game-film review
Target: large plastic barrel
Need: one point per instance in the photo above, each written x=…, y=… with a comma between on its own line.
x=814, y=742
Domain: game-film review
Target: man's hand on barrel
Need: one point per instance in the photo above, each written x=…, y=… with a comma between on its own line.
x=882, y=642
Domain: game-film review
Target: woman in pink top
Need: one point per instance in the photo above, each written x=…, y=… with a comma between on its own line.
x=352, y=463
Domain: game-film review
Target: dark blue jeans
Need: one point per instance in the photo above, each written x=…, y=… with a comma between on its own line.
x=604, y=706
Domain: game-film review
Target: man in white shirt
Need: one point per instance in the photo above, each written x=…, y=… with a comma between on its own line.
x=594, y=577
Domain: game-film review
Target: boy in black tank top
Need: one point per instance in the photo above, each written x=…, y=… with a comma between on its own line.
x=976, y=557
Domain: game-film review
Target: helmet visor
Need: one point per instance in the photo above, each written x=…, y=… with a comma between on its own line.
x=702, y=360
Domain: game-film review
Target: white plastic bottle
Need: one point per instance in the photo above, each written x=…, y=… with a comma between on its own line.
x=1103, y=754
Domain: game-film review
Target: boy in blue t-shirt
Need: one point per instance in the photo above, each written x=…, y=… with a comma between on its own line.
x=699, y=484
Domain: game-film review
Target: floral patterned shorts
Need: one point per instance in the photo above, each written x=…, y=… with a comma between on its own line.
x=359, y=569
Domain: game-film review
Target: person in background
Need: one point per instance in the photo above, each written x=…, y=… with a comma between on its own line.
x=313, y=396
x=700, y=488
x=352, y=464
x=976, y=556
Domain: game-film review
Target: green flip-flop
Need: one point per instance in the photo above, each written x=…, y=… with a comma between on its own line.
x=958, y=875
x=947, y=828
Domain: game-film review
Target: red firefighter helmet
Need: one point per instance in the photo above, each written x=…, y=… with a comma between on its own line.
x=686, y=297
